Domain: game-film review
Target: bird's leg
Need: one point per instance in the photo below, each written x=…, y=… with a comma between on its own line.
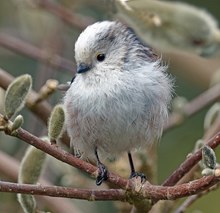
x=133, y=172
x=103, y=172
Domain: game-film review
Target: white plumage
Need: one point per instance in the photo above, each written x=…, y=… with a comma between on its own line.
x=120, y=103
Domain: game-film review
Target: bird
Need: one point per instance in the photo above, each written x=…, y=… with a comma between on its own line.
x=119, y=98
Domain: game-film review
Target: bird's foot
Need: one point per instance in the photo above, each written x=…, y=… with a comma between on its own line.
x=102, y=174
x=138, y=174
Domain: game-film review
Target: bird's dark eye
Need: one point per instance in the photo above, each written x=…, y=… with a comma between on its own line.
x=100, y=57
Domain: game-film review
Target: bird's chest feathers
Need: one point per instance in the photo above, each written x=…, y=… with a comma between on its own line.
x=99, y=104
x=111, y=106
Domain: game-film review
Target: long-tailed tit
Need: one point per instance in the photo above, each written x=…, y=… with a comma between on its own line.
x=119, y=98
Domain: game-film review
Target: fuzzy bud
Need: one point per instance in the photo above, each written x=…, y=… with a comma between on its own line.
x=16, y=94
x=56, y=123
x=27, y=202
x=198, y=145
x=208, y=157
x=31, y=165
x=30, y=170
x=19, y=120
x=208, y=171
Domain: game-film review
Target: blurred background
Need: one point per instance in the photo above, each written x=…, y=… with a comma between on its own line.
x=35, y=39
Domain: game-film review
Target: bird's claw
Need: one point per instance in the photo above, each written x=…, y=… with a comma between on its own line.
x=102, y=174
x=138, y=174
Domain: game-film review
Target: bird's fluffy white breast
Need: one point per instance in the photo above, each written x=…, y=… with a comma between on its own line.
x=117, y=111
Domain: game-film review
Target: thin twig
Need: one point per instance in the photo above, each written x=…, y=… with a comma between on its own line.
x=206, y=98
x=191, y=161
x=190, y=200
x=65, y=14
x=148, y=191
x=68, y=192
x=26, y=49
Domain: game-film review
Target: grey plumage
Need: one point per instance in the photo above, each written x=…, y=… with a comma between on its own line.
x=120, y=103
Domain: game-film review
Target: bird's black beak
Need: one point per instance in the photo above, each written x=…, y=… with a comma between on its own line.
x=82, y=67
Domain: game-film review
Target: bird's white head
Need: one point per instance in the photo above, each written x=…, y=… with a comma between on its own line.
x=107, y=45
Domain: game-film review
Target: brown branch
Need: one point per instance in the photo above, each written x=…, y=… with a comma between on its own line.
x=190, y=162
x=26, y=49
x=148, y=191
x=68, y=192
x=56, y=205
x=178, y=191
x=208, y=97
x=67, y=157
x=65, y=14
x=190, y=200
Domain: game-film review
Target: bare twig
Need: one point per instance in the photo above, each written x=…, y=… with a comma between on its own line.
x=46, y=91
x=208, y=97
x=68, y=192
x=65, y=14
x=26, y=49
x=147, y=191
x=190, y=200
x=190, y=162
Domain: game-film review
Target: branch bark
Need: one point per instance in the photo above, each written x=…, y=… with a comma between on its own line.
x=67, y=192
x=147, y=191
